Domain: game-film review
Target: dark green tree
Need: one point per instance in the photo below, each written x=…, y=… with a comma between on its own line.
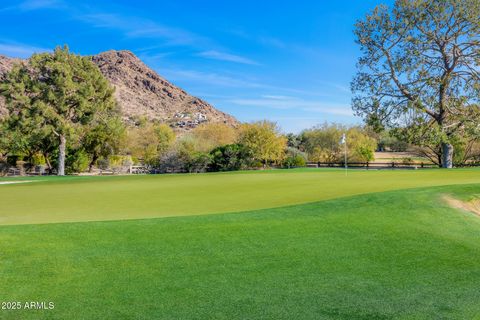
x=103, y=137
x=420, y=65
x=58, y=93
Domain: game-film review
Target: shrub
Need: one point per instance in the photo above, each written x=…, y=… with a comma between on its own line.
x=230, y=157
x=294, y=158
x=77, y=161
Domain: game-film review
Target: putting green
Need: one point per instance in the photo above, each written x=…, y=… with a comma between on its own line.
x=71, y=199
x=394, y=255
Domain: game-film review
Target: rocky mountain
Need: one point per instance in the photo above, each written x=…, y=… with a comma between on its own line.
x=141, y=92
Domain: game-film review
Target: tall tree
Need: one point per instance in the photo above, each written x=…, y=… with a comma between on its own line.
x=420, y=64
x=58, y=92
x=103, y=137
x=264, y=140
x=149, y=142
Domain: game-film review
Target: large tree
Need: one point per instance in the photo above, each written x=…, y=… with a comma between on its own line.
x=264, y=140
x=149, y=142
x=420, y=64
x=58, y=92
x=104, y=137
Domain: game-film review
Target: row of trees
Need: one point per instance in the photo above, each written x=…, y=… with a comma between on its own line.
x=219, y=147
x=209, y=147
x=61, y=113
x=418, y=83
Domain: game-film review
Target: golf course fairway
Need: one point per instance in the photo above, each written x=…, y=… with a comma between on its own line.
x=300, y=244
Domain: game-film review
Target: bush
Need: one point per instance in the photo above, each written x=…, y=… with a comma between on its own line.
x=77, y=161
x=294, y=158
x=294, y=162
x=118, y=163
x=230, y=157
x=172, y=161
x=198, y=162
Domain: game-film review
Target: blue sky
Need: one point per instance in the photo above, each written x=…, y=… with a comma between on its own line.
x=286, y=61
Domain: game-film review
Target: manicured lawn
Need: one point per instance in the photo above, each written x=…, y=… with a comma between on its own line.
x=113, y=198
x=401, y=254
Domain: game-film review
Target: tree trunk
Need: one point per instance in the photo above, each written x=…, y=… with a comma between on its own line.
x=92, y=163
x=47, y=161
x=61, y=156
x=447, y=155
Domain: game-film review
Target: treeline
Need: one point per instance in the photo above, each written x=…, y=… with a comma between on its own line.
x=62, y=117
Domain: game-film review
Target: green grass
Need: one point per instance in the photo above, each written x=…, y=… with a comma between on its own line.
x=72, y=199
x=394, y=255
x=297, y=244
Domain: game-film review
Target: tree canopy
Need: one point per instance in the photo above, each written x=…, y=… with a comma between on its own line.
x=420, y=66
x=53, y=95
x=264, y=140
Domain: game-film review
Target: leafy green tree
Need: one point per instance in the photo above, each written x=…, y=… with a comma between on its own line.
x=104, y=137
x=149, y=142
x=420, y=67
x=264, y=140
x=294, y=141
x=59, y=93
x=322, y=143
x=361, y=147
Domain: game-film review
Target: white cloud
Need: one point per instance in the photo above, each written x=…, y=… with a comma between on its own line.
x=223, y=56
x=39, y=4
x=19, y=50
x=133, y=27
x=208, y=78
x=285, y=103
x=30, y=5
x=275, y=97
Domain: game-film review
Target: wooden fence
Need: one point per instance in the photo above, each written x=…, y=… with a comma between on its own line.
x=383, y=165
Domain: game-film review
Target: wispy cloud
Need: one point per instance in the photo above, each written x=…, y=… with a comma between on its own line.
x=284, y=103
x=30, y=5
x=264, y=40
x=277, y=97
x=19, y=50
x=133, y=27
x=223, y=56
x=209, y=78
x=272, y=42
x=40, y=4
